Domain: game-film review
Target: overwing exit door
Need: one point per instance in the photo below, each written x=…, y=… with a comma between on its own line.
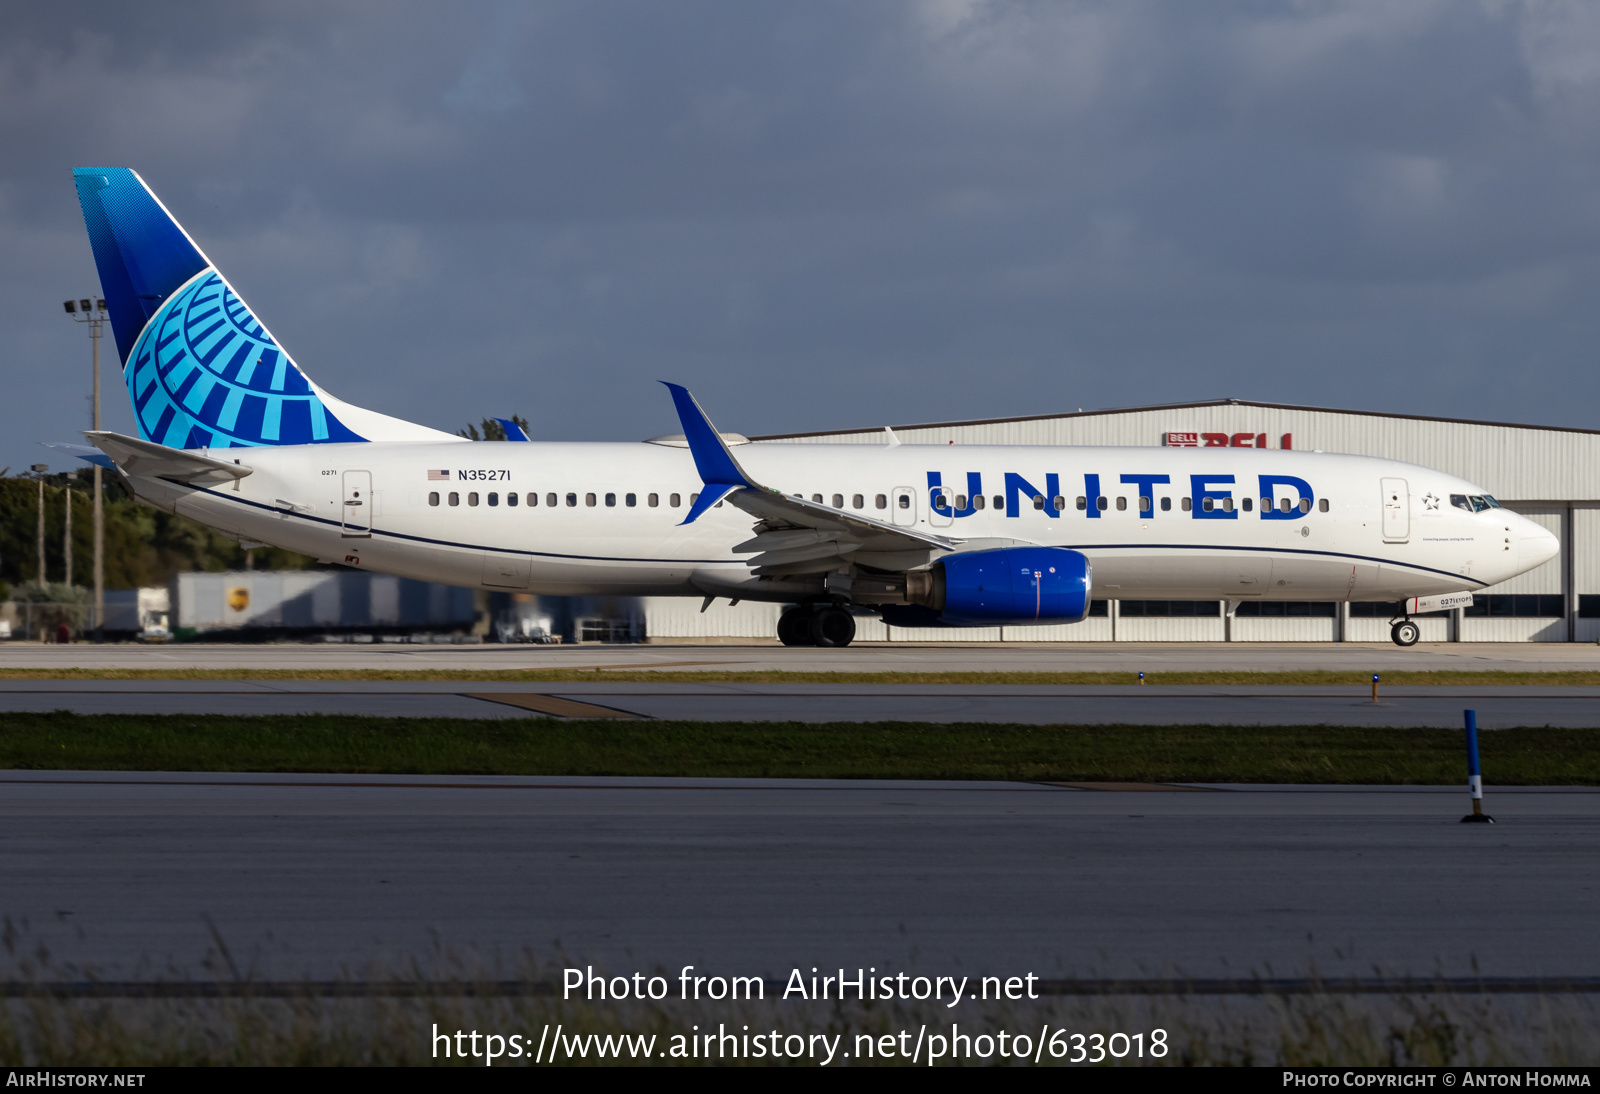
x=1396, y=511
x=355, y=506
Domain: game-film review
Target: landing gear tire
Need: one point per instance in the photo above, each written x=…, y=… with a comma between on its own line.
x=1405, y=633
x=794, y=627
x=832, y=628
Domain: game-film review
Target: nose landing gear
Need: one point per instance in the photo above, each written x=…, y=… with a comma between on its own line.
x=829, y=627
x=1405, y=633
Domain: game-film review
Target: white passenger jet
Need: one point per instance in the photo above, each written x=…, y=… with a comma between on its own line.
x=233, y=434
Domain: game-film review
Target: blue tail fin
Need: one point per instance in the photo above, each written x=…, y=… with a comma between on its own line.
x=202, y=371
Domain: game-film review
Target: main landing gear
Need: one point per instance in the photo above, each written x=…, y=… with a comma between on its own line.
x=827, y=626
x=1405, y=633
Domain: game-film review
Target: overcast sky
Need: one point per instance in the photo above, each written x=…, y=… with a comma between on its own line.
x=824, y=215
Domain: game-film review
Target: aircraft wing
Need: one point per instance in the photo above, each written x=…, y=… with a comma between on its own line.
x=157, y=461
x=793, y=535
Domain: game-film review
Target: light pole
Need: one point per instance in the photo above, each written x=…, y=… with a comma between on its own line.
x=81, y=311
x=40, y=470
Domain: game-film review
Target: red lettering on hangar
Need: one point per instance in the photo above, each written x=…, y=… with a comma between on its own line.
x=1224, y=440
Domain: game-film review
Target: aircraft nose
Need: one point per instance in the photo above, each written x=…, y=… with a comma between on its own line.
x=1539, y=545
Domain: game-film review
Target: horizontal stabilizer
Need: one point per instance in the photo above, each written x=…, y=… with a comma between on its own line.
x=156, y=461
x=82, y=452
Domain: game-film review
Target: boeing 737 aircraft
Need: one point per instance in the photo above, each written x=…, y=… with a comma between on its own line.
x=233, y=434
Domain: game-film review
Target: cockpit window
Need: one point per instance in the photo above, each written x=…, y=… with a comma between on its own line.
x=1473, y=503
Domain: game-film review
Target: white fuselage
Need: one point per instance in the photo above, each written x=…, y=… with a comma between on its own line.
x=1375, y=530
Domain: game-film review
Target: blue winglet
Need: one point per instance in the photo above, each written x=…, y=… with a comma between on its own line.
x=708, y=497
x=711, y=456
x=514, y=432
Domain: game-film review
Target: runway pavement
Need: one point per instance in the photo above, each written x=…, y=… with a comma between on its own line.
x=1130, y=657
x=1400, y=707
x=126, y=874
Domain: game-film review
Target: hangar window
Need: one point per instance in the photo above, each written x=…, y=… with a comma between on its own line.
x=1098, y=609
x=1589, y=607
x=589, y=500
x=1038, y=501
x=1244, y=503
x=1100, y=504
x=652, y=500
x=455, y=498
x=1384, y=609
x=674, y=500
x=1167, y=608
x=903, y=501
x=511, y=500
x=857, y=501
x=880, y=501
x=1287, y=609
x=1122, y=504
x=472, y=498
x=1322, y=505
x=494, y=498
x=433, y=497
x=1521, y=606
x=1059, y=502
x=572, y=501
x=1166, y=505
x=611, y=501
x=1187, y=505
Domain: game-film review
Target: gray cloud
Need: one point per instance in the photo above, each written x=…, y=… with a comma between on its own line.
x=834, y=214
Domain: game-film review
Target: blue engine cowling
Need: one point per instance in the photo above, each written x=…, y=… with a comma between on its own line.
x=1026, y=585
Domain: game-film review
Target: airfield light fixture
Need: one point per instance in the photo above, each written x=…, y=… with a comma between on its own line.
x=92, y=312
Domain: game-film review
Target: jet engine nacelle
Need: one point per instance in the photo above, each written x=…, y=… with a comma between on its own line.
x=1024, y=585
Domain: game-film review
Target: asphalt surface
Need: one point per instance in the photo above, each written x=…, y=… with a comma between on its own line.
x=1398, y=707
x=147, y=875
x=1130, y=657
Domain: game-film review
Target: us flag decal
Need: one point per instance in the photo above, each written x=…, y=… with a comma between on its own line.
x=438, y=476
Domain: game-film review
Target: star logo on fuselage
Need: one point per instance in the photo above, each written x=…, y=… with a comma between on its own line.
x=1431, y=500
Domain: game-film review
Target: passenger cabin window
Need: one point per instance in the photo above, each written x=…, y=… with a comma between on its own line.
x=572, y=501
x=1083, y=503
x=977, y=501
x=1144, y=505
x=693, y=498
x=494, y=498
x=472, y=498
x=511, y=499
x=1283, y=505
x=903, y=501
x=1322, y=505
x=1227, y=505
x=857, y=501
x=455, y=498
x=1187, y=505
x=1244, y=503
x=652, y=500
x=611, y=501
x=674, y=500
x=1207, y=504
x=1166, y=505
x=1305, y=505
x=961, y=501
x=1059, y=502
x=817, y=498
x=1122, y=504
x=630, y=500
x=838, y=501
x=533, y=499
x=589, y=500
x=999, y=501
x=1101, y=504
x=1038, y=501
x=880, y=501
x=433, y=497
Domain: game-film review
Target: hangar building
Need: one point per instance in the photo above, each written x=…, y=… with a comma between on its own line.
x=1551, y=475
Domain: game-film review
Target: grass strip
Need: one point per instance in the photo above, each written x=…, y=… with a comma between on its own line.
x=848, y=750
x=1443, y=677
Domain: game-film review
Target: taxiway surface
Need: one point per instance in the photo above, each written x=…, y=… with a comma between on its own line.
x=145, y=875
